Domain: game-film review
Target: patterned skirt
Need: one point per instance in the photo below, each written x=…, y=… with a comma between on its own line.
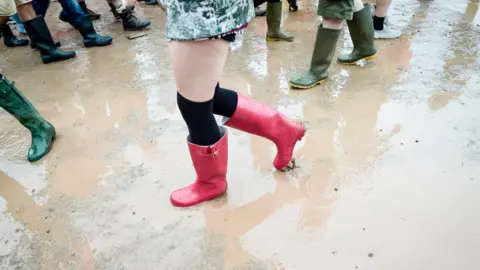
x=205, y=19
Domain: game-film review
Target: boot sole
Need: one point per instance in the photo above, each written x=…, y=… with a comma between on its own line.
x=59, y=60
x=210, y=198
x=137, y=29
x=366, y=58
x=97, y=45
x=307, y=86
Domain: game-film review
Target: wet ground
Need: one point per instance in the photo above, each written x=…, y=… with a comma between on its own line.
x=388, y=177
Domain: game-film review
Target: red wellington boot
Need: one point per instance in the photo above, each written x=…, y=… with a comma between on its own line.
x=253, y=117
x=210, y=163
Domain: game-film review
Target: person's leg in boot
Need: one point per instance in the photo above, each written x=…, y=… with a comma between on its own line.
x=41, y=7
x=40, y=36
x=7, y=9
x=9, y=39
x=73, y=14
x=274, y=20
x=362, y=34
x=333, y=13
x=382, y=30
x=117, y=16
x=249, y=115
x=129, y=21
x=42, y=132
x=92, y=15
x=19, y=24
x=197, y=66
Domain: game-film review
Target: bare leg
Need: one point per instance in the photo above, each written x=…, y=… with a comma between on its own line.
x=197, y=66
x=382, y=7
x=26, y=12
x=382, y=30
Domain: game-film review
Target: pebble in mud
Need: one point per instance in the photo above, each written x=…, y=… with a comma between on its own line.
x=336, y=189
x=370, y=255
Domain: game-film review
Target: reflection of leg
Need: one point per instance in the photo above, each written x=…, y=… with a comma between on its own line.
x=197, y=66
x=17, y=105
x=362, y=34
x=129, y=20
x=383, y=31
x=274, y=20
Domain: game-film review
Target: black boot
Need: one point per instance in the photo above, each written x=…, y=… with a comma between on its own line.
x=90, y=36
x=116, y=14
x=92, y=15
x=130, y=22
x=41, y=38
x=9, y=39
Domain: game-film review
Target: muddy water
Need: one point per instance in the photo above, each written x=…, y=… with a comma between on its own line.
x=388, y=173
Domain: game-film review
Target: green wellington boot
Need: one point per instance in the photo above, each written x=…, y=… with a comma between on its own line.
x=274, y=19
x=362, y=33
x=18, y=105
x=325, y=44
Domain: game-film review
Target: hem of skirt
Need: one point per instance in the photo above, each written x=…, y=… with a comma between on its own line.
x=216, y=36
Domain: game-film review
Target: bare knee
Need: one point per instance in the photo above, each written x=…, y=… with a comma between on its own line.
x=332, y=23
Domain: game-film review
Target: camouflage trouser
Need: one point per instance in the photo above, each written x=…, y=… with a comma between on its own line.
x=341, y=9
x=9, y=7
x=200, y=19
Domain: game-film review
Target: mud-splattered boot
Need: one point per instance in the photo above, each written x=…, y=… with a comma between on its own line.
x=274, y=19
x=43, y=133
x=42, y=40
x=131, y=23
x=9, y=39
x=362, y=34
x=325, y=44
x=92, y=15
x=256, y=118
x=210, y=163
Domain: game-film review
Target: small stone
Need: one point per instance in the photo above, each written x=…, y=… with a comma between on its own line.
x=6, y=242
x=401, y=143
x=364, y=229
x=133, y=213
x=336, y=189
x=370, y=255
x=334, y=252
x=48, y=231
x=416, y=141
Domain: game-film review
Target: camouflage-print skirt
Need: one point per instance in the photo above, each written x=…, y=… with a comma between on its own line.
x=202, y=19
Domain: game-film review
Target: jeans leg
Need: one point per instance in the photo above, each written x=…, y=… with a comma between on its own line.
x=41, y=6
x=73, y=11
x=19, y=23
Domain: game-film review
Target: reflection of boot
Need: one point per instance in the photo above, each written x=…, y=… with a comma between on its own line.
x=292, y=5
x=42, y=40
x=210, y=163
x=361, y=31
x=116, y=14
x=90, y=36
x=274, y=19
x=323, y=52
x=17, y=105
x=255, y=118
x=9, y=39
x=131, y=22
x=92, y=15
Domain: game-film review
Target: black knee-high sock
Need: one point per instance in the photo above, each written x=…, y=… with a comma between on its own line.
x=224, y=101
x=201, y=123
